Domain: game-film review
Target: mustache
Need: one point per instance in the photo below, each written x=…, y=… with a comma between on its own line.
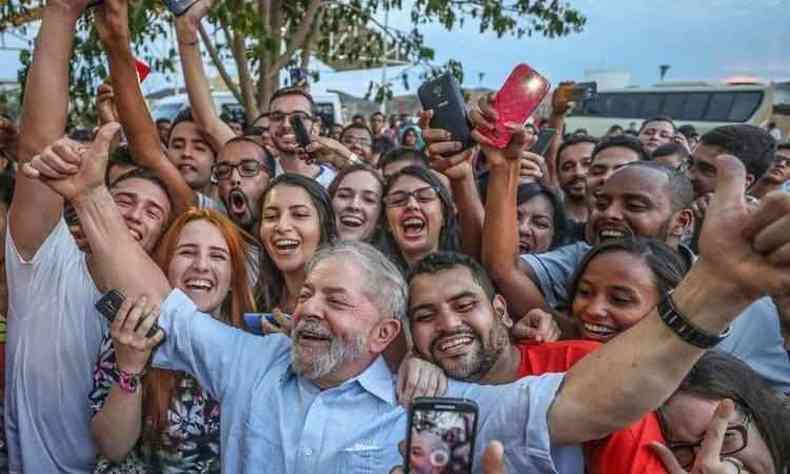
x=312, y=327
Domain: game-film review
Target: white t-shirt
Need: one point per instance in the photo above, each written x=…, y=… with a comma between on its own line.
x=54, y=336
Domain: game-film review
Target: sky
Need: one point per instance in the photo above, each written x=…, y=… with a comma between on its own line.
x=700, y=39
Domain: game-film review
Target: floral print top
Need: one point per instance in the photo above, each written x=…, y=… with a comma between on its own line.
x=189, y=444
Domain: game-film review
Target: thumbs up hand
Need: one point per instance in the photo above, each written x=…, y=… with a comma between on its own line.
x=73, y=169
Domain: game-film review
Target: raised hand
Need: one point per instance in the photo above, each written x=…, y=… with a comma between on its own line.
x=484, y=117
x=188, y=24
x=9, y=138
x=73, y=169
x=746, y=246
x=112, y=23
x=445, y=155
x=708, y=459
x=129, y=332
x=105, y=104
x=560, y=99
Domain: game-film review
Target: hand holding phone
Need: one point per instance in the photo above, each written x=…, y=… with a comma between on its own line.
x=444, y=98
x=541, y=146
x=441, y=435
x=515, y=102
x=109, y=304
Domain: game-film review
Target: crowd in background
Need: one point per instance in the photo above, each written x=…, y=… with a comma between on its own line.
x=613, y=304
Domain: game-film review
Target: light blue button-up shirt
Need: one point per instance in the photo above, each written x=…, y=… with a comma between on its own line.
x=275, y=421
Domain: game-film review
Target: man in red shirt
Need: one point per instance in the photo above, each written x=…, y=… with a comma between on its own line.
x=459, y=323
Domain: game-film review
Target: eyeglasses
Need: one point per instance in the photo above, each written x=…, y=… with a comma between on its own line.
x=782, y=161
x=401, y=198
x=278, y=117
x=247, y=169
x=736, y=438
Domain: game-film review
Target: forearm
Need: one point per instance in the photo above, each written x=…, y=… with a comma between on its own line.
x=199, y=92
x=118, y=260
x=471, y=214
x=557, y=122
x=44, y=111
x=117, y=426
x=141, y=132
x=500, y=247
x=641, y=376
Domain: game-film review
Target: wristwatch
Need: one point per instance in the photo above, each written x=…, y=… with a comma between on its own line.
x=684, y=328
x=127, y=381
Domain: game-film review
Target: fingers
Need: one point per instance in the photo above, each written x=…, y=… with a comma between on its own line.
x=494, y=458
x=486, y=105
x=424, y=121
x=768, y=226
x=103, y=139
x=730, y=182
x=147, y=321
x=710, y=452
x=479, y=120
x=444, y=148
x=132, y=317
x=283, y=320
x=120, y=317
x=667, y=458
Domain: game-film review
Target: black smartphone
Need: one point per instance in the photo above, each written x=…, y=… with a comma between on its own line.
x=179, y=7
x=582, y=91
x=544, y=140
x=441, y=435
x=109, y=304
x=443, y=96
x=302, y=135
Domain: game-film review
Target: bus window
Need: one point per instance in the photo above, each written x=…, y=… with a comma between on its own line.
x=745, y=105
x=623, y=105
x=651, y=104
x=694, y=106
x=719, y=108
x=673, y=106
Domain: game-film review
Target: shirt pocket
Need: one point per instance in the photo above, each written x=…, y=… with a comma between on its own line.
x=363, y=460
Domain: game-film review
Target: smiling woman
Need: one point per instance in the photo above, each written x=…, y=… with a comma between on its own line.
x=204, y=256
x=420, y=216
x=356, y=198
x=297, y=219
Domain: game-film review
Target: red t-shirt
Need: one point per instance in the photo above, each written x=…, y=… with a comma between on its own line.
x=624, y=452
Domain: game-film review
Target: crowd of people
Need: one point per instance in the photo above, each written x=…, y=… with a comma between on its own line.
x=619, y=304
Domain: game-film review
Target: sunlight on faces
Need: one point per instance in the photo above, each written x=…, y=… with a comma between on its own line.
x=242, y=195
x=201, y=265
x=615, y=292
x=655, y=134
x=357, y=204
x=290, y=227
x=416, y=226
x=606, y=162
x=282, y=133
x=455, y=325
x=572, y=169
x=333, y=321
x=535, y=225
x=191, y=154
x=688, y=416
x=634, y=201
x=145, y=207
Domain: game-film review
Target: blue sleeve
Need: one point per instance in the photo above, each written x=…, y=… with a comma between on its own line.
x=516, y=414
x=554, y=271
x=219, y=356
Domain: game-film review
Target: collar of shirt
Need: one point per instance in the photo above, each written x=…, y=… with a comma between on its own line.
x=376, y=380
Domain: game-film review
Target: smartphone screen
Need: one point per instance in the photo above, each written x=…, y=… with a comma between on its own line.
x=441, y=436
x=541, y=146
x=515, y=102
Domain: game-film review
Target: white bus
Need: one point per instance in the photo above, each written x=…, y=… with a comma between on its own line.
x=701, y=104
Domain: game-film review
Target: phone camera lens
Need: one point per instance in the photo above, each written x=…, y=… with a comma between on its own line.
x=439, y=458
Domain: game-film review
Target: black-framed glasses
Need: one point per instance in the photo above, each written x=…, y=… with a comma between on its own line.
x=736, y=438
x=780, y=160
x=278, y=117
x=401, y=198
x=361, y=141
x=246, y=168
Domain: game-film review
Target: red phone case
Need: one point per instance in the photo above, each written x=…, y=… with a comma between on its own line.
x=518, y=98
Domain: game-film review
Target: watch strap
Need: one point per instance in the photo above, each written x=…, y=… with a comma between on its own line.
x=684, y=328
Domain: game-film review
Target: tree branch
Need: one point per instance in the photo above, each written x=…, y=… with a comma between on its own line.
x=217, y=60
x=297, y=39
x=315, y=31
x=238, y=50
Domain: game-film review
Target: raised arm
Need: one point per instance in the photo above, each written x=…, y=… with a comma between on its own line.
x=144, y=144
x=458, y=169
x=36, y=209
x=559, y=107
x=198, y=89
x=743, y=257
x=499, y=253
